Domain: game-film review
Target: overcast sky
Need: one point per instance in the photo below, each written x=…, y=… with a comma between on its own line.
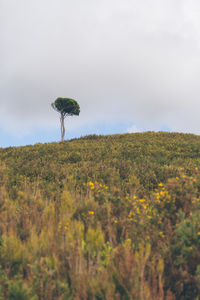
x=132, y=65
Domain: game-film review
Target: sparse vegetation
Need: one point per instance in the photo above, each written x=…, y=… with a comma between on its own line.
x=101, y=217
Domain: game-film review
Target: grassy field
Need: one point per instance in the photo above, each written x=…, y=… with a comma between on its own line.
x=101, y=217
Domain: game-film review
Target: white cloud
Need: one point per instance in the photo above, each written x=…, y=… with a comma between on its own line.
x=136, y=61
x=133, y=129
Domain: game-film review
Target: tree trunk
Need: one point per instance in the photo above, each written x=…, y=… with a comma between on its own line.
x=62, y=125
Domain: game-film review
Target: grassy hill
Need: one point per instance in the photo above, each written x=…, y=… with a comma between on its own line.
x=101, y=217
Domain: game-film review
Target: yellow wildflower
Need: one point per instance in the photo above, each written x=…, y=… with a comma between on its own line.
x=59, y=225
x=144, y=206
x=130, y=214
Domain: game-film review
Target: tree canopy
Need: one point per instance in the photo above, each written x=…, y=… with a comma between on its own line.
x=66, y=107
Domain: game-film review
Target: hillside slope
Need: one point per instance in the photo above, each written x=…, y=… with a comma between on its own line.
x=125, y=208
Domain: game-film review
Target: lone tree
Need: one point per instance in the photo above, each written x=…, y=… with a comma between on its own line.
x=66, y=107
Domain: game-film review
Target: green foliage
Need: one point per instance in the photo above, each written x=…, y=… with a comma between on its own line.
x=101, y=217
x=94, y=242
x=66, y=106
x=17, y=290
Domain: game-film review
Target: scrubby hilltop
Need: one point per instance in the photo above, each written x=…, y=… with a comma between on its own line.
x=101, y=217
